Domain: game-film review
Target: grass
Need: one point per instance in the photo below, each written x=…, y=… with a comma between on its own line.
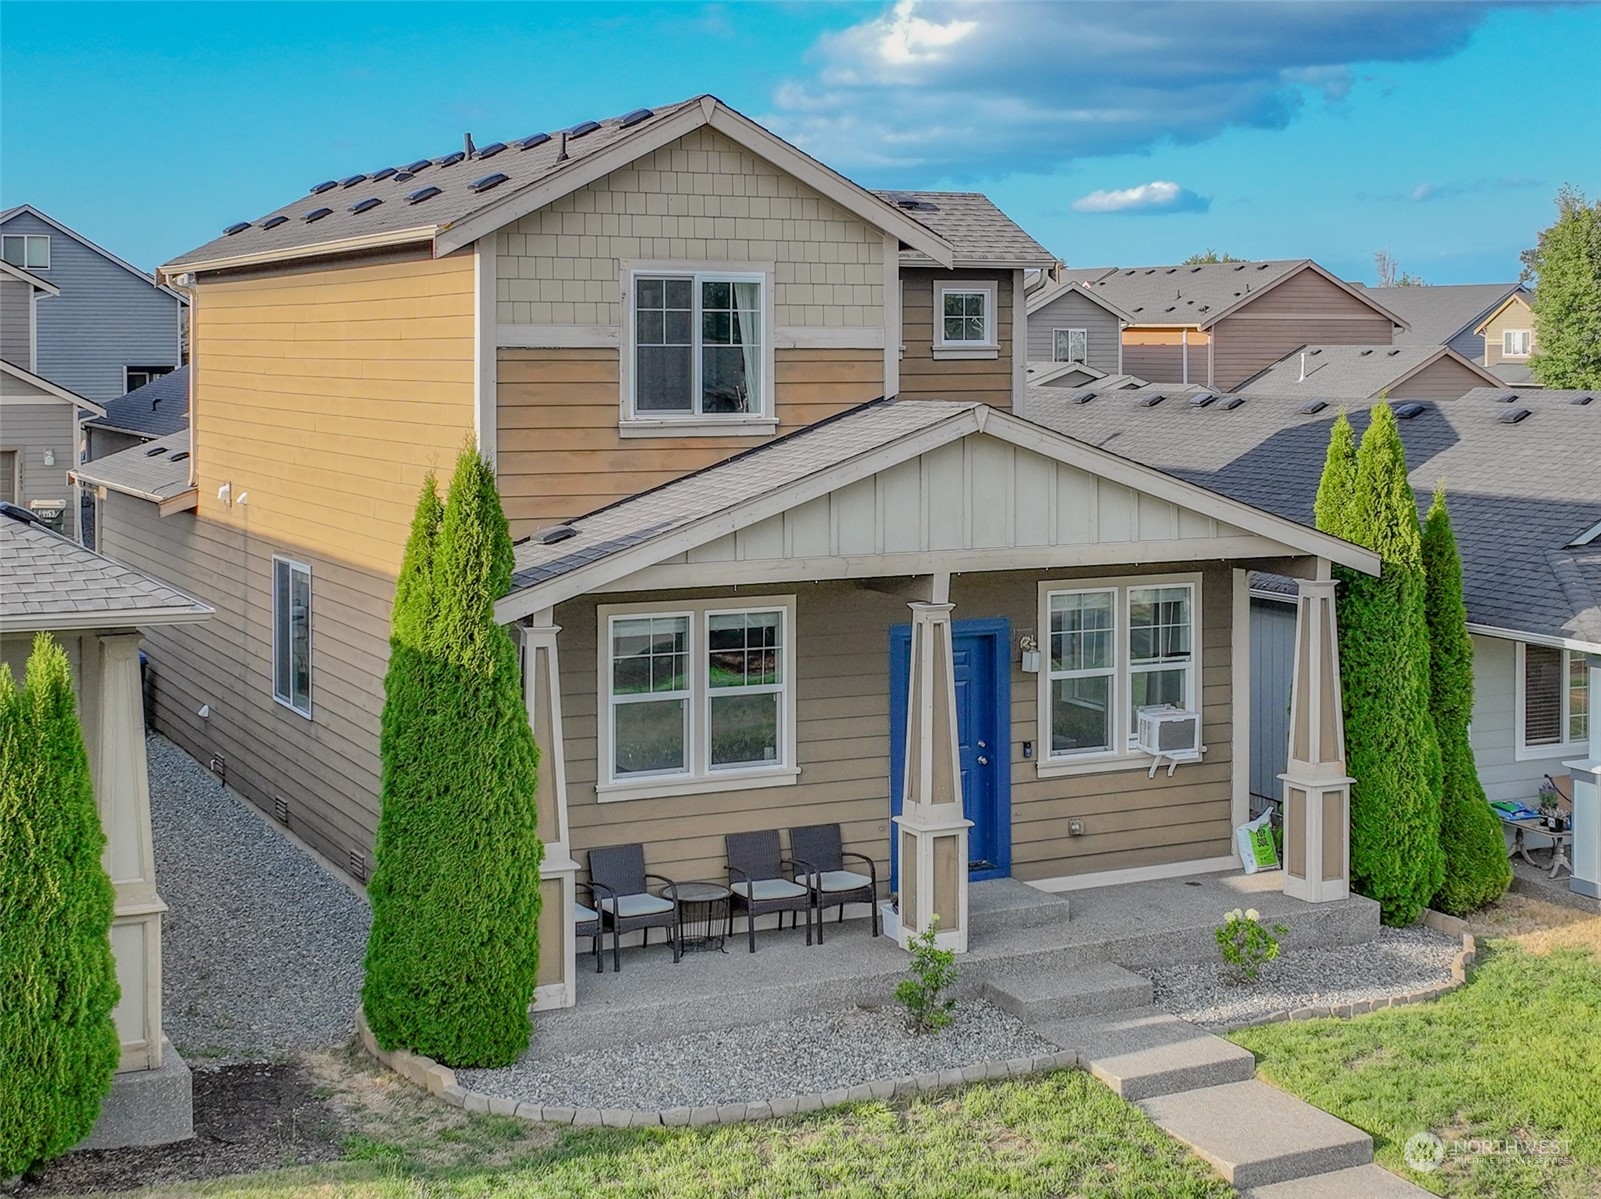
x=1514, y=1056
x=1063, y=1134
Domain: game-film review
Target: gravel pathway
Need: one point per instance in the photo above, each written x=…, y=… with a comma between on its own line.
x=261, y=948
x=800, y=1056
x=1399, y=960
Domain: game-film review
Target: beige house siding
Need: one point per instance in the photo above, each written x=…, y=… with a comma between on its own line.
x=923, y=377
x=703, y=198
x=1516, y=315
x=1306, y=309
x=29, y=425
x=842, y=697
x=1442, y=380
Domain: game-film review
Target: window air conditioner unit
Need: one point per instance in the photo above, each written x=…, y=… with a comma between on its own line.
x=1171, y=733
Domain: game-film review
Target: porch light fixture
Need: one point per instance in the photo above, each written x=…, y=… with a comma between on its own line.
x=1030, y=656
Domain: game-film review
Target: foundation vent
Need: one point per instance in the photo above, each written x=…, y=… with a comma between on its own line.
x=280, y=809
x=357, y=866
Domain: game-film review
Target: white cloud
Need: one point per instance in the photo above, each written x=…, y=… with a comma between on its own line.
x=1158, y=196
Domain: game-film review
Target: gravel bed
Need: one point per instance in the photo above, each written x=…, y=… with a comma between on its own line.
x=1397, y=961
x=261, y=948
x=801, y=1056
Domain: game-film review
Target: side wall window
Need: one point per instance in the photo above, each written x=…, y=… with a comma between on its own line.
x=291, y=634
x=1555, y=687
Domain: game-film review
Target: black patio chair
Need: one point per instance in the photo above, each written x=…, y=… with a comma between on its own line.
x=757, y=878
x=618, y=880
x=832, y=884
x=586, y=923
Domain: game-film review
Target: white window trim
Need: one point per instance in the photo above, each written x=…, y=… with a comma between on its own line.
x=700, y=778
x=153, y=371
x=1521, y=750
x=285, y=700
x=25, y=239
x=1522, y=333
x=696, y=424
x=1122, y=756
x=990, y=347
x=1085, y=361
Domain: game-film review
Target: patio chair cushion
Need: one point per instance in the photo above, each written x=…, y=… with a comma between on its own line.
x=627, y=906
x=769, y=888
x=583, y=915
x=843, y=880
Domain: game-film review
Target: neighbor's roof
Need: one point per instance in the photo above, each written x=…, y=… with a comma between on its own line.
x=450, y=200
x=1352, y=372
x=48, y=581
x=1519, y=494
x=1515, y=374
x=157, y=470
x=28, y=277
x=1045, y=374
x=1437, y=314
x=1076, y=282
x=980, y=233
x=1519, y=297
x=161, y=406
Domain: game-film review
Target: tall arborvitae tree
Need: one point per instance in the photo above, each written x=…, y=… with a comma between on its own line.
x=58, y=979
x=1336, y=491
x=1565, y=266
x=454, y=951
x=1477, y=869
x=1391, y=747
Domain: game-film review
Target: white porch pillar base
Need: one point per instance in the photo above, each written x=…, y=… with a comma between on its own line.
x=1586, y=774
x=931, y=828
x=557, y=985
x=1317, y=791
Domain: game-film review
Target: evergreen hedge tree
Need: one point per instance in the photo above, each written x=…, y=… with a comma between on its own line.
x=1336, y=490
x=1477, y=869
x=58, y=979
x=1391, y=746
x=453, y=953
x=1565, y=265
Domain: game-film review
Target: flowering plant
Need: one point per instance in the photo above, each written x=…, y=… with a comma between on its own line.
x=1246, y=943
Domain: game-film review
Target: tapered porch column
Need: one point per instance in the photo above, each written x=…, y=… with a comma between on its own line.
x=1317, y=791
x=931, y=827
x=542, y=693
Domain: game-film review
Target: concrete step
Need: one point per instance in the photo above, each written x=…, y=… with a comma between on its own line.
x=1007, y=903
x=1056, y=995
x=1255, y=1135
x=1141, y=1055
x=1357, y=1182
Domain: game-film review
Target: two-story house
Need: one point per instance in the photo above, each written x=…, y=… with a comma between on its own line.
x=1509, y=339
x=111, y=327
x=790, y=551
x=1075, y=334
x=1451, y=314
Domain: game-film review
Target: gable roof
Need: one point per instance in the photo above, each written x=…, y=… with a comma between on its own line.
x=1201, y=294
x=1049, y=374
x=979, y=233
x=161, y=406
x=537, y=172
x=1353, y=372
x=28, y=277
x=1437, y=314
x=647, y=528
x=1076, y=284
x=1519, y=493
x=19, y=209
x=52, y=390
x=1521, y=296
x=157, y=470
x=48, y=581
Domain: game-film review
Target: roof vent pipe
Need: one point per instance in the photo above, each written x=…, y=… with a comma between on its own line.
x=1302, y=379
x=467, y=145
x=561, y=147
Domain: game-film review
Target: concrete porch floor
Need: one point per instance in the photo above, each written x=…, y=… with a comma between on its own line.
x=1015, y=930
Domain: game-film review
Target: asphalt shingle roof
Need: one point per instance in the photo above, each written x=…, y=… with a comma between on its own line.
x=1520, y=494
x=160, y=407
x=47, y=580
x=980, y=233
x=1344, y=372
x=1181, y=295
x=1437, y=314
x=156, y=470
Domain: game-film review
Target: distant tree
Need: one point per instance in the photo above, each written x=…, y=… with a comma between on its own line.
x=1477, y=870
x=1211, y=256
x=1565, y=266
x=1391, y=275
x=58, y=978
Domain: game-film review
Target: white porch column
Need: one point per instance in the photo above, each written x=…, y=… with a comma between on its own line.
x=931, y=827
x=542, y=693
x=1587, y=800
x=1317, y=791
x=122, y=792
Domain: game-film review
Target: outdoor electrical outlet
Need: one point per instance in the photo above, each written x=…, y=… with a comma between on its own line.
x=1075, y=828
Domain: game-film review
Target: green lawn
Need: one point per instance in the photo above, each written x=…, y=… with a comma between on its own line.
x=1513, y=1056
x=1060, y=1135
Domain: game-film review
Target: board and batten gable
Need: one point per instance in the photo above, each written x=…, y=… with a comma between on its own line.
x=1305, y=309
x=105, y=319
x=1075, y=310
x=924, y=375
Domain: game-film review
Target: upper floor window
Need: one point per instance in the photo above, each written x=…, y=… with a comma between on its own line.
x=698, y=344
x=291, y=634
x=1072, y=345
x=966, y=315
x=138, y=376
x=1555, y=707
x=31, y=251
x=1515, y=343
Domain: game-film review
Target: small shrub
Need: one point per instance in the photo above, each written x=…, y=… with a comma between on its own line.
x=922, y=992
x=1246, y=944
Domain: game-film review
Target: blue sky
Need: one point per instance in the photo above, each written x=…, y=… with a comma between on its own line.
x=1126, y=133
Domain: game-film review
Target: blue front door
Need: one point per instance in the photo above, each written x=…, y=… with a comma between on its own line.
x=982, y=658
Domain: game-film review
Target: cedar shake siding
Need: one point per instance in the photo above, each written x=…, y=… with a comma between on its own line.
x=842, y=697
x=1306, y=309
x=1075, y=310
x=924, y=376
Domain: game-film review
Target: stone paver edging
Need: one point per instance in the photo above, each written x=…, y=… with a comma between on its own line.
x=1451, y=926
x=440, y=1080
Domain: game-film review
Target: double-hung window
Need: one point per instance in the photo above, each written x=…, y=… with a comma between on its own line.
x=697, y=697
x=1072, y=345
x=31, y=251
x=698, y=345
x=1515, y=343
x=291, y=634
x=1114, y=648
x=1554, y=686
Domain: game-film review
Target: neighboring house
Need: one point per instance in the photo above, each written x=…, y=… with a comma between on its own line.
x=1509, y=339
x=111, y=328
x=1525, y=500
x=1069, y=322
x=673, y=333
x=159, y=408
x=1447, y=315
x=1417, y=372
x=1219, y=323
x=96, y=608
